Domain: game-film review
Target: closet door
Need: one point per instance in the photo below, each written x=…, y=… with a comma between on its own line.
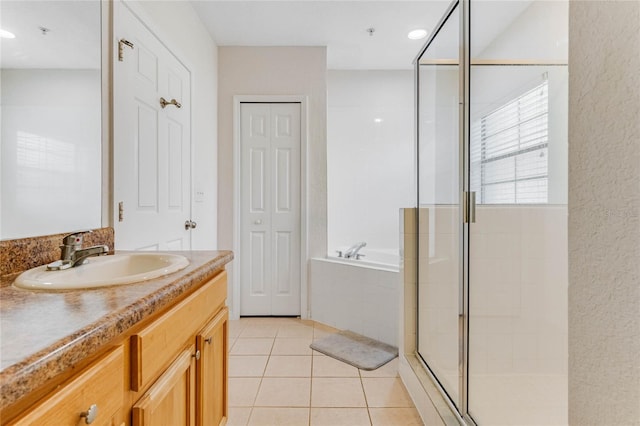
x=270, y=209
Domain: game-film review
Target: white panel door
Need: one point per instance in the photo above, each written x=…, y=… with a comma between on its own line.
x=152, y=148
x=270, y=209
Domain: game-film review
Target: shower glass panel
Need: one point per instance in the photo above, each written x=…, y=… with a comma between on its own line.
x=517, y=356
x=439, y=270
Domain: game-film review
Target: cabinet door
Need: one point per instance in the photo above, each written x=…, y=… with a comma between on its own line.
x=170, y=400
x=212, y=342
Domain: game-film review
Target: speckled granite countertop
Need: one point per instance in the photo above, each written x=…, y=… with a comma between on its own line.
x=42, y=334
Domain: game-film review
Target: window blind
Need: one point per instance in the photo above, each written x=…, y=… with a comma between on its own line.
x=509, y=151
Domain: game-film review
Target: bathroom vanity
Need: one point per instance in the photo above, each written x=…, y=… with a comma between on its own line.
x=153, y=352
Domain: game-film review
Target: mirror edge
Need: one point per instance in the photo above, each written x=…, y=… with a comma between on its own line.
x=106, y=6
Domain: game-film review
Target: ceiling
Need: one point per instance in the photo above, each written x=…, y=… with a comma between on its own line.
x=72, y=39
x=339, y=25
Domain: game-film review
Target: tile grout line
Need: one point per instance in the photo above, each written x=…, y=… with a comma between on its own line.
x=250, y=414
x=313, y=356
x=311, y=379
x=255, y=398
x=366, y=401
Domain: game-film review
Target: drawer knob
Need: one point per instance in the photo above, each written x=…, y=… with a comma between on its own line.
x=208, y=340
x=90, y=415
x=196, y=355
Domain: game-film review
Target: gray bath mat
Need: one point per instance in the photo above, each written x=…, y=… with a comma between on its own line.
x=359, y=351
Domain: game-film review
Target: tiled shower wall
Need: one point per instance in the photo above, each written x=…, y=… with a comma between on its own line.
x=518, y=295
x=518, y=288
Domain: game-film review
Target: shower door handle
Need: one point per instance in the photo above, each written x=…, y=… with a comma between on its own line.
x=469, y=207
x=469, y=217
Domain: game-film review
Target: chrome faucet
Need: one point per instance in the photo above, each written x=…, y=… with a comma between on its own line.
x=72, y=254
x=352, y=251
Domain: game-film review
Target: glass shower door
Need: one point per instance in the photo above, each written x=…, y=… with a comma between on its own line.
x=439, y=235
x=517, y=357
x=492, y=294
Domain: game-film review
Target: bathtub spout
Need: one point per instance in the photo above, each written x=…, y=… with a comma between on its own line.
x=352, y=252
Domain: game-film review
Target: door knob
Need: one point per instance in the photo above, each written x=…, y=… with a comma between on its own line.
x=189, y=224
x=258, y=221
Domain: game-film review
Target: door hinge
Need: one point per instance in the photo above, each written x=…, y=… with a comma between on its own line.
x=121, y=44
x=469, y=206
x=120, y=211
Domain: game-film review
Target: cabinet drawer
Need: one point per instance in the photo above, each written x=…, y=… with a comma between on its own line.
x=102, y=384
x=153, y=348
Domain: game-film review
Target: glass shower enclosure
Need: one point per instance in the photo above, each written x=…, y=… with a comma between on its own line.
x=492, y=94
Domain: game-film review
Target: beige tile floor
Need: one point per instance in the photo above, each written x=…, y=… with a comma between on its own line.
x=275, y=379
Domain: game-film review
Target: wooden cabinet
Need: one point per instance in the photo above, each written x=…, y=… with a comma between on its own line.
x=155, y=346
x=171, y=370
x=170, y=400
x=96, y=394
x=211, y=382
x=192, y=390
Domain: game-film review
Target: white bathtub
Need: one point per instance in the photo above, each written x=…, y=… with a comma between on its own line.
x=385, y=260
x=358, y=295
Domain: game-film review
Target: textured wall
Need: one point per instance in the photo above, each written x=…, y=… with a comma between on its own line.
x=604, y=213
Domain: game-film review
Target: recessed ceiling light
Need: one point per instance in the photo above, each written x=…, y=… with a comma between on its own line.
x=6, y=34
x=417, y=34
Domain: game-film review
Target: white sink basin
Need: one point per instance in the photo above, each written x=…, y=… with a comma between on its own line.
x=117, y=269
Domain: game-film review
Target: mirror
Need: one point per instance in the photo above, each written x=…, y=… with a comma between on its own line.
x=50, y=112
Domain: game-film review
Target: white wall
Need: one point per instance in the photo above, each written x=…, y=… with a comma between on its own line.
x=51, y=157
x=438, y=138
x=604, y=213
x=177, y=24
x=370, y=165
x=275, y=71
x=539, y=33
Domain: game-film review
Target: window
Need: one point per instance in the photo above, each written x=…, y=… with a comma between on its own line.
x=509, y=150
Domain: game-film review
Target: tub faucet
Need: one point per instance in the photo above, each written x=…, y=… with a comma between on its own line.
x=72, y=254
x=352, y=251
